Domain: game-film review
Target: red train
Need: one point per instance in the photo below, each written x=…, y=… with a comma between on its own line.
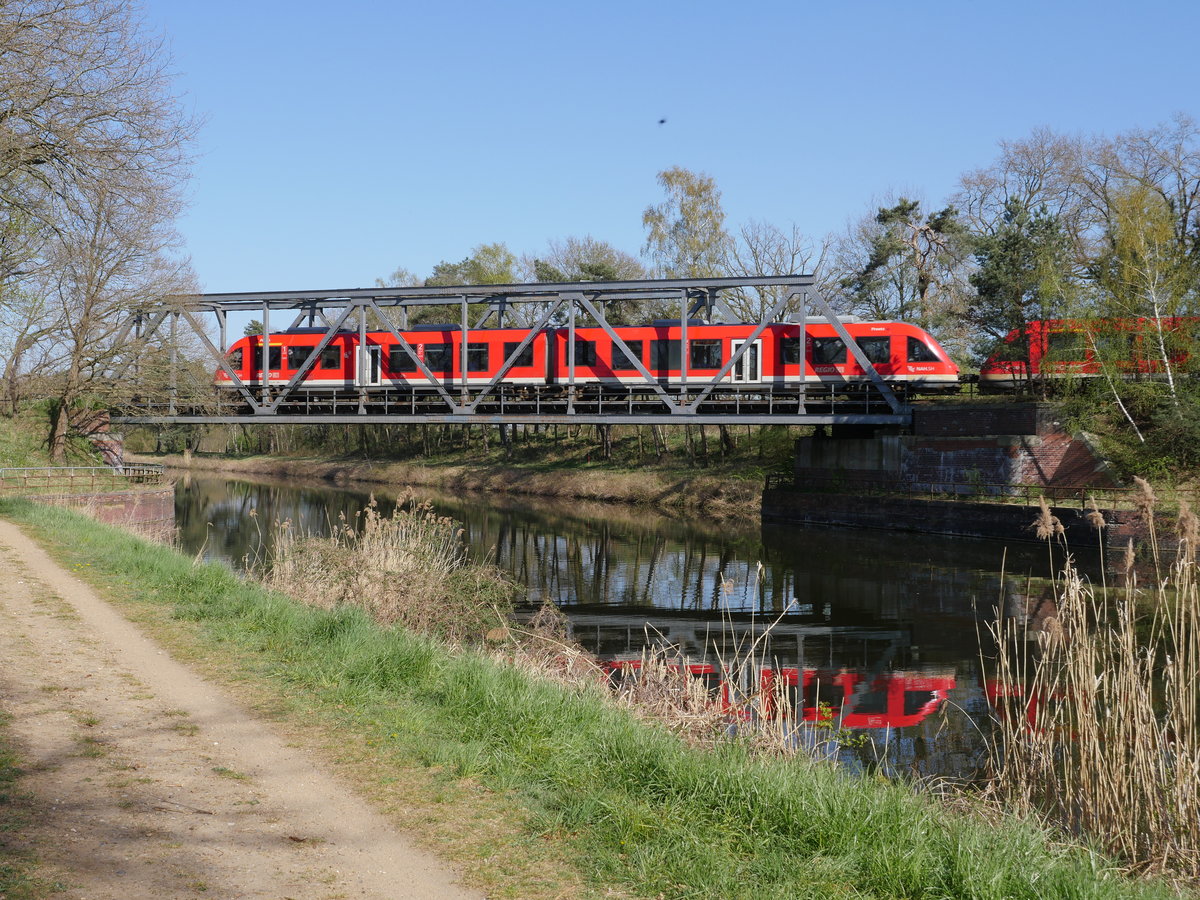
x=1057, y=348
x=905, y=356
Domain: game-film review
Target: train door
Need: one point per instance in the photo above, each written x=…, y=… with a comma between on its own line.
x=746, y=370
x=370, y=374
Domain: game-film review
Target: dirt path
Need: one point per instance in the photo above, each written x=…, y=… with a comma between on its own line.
x=148, y=782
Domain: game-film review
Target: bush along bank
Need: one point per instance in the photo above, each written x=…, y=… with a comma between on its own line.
x=628, y=803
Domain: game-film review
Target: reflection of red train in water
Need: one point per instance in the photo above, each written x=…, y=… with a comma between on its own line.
x=1121, y=347
x=1015, y=701
x=847, y=698
x=905, y=356
x=854, y=700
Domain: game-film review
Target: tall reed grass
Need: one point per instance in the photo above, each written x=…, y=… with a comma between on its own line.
x=1099, y=709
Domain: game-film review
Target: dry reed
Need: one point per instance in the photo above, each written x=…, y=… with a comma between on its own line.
x=408, y=568
x=1098, y=712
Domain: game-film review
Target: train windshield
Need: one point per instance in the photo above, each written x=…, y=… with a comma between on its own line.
x=919, y=351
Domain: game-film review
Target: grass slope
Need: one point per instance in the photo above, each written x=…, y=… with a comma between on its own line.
x=627, y=803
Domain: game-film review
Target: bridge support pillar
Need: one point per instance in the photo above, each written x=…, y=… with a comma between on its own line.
x=953, y=448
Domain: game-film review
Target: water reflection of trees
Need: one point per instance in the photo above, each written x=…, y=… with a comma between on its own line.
x=234, y=521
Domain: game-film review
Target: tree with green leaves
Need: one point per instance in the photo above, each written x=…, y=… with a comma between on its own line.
x=487, y=264
x=685, y=233
x=1023, y=275
x=1148, y=273
x=588, y=259
x=902, y=264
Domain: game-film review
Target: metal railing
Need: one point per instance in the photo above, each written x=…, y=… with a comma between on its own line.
x=76, y=479
x=989, y=492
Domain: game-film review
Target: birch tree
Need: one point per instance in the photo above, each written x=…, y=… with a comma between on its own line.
x=685, y=233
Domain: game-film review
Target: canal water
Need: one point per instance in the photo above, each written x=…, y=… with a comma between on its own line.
x=889, y=631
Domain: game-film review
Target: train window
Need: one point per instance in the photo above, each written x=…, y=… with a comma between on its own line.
x=621, y=361
x=705, y=355
x=437, y=358
x=828, y=351
x=877, y=349
x=273, y=357
x=1066, y=345
x=526, y=357
x=478, y=357
x=666, y=355
x=1113, y=345
x=916, y=701
x=399, y=361
x=297, y=355
x=825, y=692
x=872, y=703
x=1179, y=339
x=585, y=352
x=918, y=351
x=789, y=351
x=331, y=358
x=235, y=359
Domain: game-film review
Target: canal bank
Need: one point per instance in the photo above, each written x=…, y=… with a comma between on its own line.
x=715, y=495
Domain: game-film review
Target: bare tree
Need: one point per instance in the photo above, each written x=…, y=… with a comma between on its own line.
x=111, y=262
x=1163, y=161
x=766, y=249
x=1042, y=170
x=582, y=259
x=94, y=147
x=85, y=100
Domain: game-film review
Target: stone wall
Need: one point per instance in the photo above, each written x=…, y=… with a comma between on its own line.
x=959, y=449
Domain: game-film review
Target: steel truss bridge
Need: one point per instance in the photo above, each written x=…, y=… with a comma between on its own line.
x=698, y=399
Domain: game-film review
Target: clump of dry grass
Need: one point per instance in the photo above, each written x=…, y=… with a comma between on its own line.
x=543, y=647
x=1100, y=727
x=407, y=568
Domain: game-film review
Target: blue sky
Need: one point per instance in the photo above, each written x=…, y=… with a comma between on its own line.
x=345, y=139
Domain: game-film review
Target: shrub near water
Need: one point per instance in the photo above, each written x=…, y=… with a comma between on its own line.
x=409, y=568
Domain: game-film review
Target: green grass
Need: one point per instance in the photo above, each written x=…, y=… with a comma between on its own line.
x=627, y=804
x=23, y=440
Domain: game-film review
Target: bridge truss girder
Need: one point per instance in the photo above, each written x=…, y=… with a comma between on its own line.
x=463, y=403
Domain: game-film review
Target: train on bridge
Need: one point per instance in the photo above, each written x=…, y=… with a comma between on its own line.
x=625, y=358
